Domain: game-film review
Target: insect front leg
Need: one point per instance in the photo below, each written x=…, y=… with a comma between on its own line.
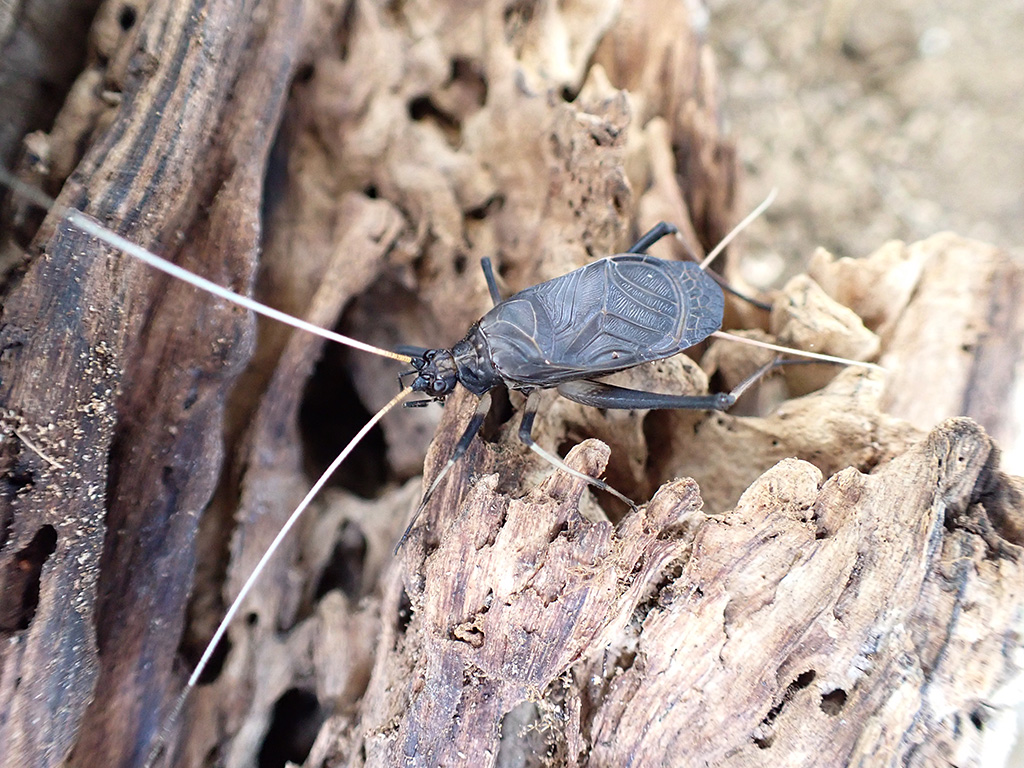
x=664, y=229
x=525, y=434
x=658, y=231
x=482, y=407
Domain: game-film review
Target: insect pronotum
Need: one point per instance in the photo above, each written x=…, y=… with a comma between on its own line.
x=511, y=346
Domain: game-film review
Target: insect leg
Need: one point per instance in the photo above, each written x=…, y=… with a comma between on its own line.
x=492, y=284
x=663, y=229
x=482, y=407
x=411, y=350
x=660, y=230
x=724, y=284
x=601, y=395
x=525, y=430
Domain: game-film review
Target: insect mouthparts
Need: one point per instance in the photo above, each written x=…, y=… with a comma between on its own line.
x=438, y=373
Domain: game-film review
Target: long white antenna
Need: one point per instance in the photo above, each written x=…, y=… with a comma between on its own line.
x=796, y=352
x=764, y=344
x=83, y=222
x=250, y=581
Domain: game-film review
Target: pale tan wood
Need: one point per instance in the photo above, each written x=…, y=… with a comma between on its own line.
x=827, y=582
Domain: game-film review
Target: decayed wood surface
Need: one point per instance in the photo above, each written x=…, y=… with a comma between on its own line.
x=114, y=379
x=834, y=581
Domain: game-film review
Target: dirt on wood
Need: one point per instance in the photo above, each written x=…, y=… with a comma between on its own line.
x=829, y=574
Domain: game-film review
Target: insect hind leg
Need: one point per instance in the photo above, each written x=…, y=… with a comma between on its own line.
x=525, y=434
x=724, y=284
x=599, y=394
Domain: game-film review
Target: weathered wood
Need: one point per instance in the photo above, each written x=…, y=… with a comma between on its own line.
x=114, y=380
x=482, y=157
x=856, y=603
x=800, y=624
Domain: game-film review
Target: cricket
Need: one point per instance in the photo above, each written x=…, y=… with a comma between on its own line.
x=614, y=314
x=404, y=385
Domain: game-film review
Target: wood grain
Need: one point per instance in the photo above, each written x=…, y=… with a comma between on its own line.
x=828, y=575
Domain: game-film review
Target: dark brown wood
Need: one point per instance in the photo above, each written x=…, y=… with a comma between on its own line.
x=114, y=379
x=825, y=578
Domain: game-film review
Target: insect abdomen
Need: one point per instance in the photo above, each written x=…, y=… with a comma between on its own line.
x=607, y=316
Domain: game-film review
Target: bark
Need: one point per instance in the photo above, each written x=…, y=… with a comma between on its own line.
x=828, y=575
x=114, y=379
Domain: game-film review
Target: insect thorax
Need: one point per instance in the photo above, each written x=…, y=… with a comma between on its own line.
x=468, y=362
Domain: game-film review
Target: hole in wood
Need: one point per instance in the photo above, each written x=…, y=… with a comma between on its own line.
x=832, y=703
x=19, y=478
x=20, y=597
x=422, y=108
x=330, y=415
x=765, y=735
x=404, y=614
x=294, y=724
x=804, y=680
x=127, y=17
x=214, y=665
x=501, y=413
x=763, y=742
x=344, y=568
x=469, y=78
x=481, y=212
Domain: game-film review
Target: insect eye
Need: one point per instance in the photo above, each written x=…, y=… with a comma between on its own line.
x=439, y=386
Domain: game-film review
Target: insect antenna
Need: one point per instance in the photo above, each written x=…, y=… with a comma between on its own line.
x=250, y=581
x=811, y=356
x=717, y=251
x=83, y=222
x=747, y=220
x=80, y=220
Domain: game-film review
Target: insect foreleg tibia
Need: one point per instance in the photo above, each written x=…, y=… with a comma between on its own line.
x=658, y=231
x=482, y=407
x=525, y=434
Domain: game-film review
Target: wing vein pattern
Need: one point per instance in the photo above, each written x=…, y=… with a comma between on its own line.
x=609, y=315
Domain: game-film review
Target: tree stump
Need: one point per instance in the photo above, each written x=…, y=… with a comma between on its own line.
x=828, y=575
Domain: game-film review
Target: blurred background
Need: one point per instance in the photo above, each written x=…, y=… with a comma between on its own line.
x=877, y=120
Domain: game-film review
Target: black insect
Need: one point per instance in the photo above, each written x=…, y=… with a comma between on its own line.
x=613, y=314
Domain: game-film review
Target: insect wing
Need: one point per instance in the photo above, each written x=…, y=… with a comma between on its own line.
x=607, y=316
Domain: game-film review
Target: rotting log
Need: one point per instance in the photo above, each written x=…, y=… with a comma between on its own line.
x=859, y=603
x=114, y=379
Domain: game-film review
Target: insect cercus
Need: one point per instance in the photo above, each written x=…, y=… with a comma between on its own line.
x=615, y=313
x=610, y=315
